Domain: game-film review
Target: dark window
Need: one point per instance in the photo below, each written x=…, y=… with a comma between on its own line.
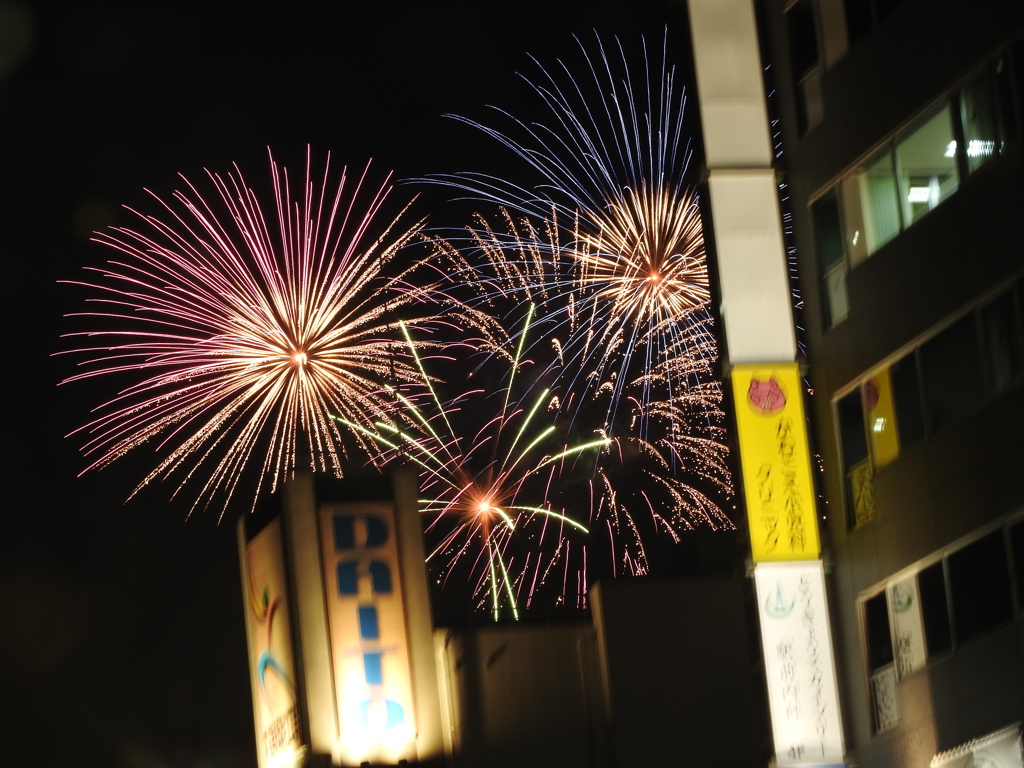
x=803, y=40
x=1004, y=101
x=1017, y=53
x=828, y=235
x=828, y=238
x=884, y=8
x=851, y=429
x=931, y=585
x=1017, y=550
x=951, y=366
x=859, y=20
x=906, y=396
x=876, y=619
x=1002, y=341
x=979, y=580
x=979, y=114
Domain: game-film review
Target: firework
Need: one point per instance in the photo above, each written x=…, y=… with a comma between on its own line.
x=665, y=471
x=491, y=470
x=611, y=162
x=241, y=334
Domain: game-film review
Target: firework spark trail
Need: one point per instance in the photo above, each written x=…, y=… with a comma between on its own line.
x=612, y=161
x=669, y=461
x=244, y=335
x=487, y=482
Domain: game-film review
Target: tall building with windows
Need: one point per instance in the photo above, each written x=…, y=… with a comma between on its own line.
x=900, y=155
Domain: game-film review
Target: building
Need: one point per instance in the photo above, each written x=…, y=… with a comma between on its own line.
x=899, y=151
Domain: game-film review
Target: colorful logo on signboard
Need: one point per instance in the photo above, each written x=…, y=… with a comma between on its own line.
x=766, y=398
x=776, y=604
x=902, y=598
x=278, y=727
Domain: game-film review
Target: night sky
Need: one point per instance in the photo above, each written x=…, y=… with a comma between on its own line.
x=122, y=639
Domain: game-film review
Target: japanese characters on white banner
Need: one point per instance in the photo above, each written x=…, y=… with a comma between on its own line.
x=904, y=603
x=799, y=663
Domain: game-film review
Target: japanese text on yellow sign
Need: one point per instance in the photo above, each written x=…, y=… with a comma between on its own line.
x=775, y=462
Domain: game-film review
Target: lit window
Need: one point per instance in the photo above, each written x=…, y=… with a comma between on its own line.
x=928, y=173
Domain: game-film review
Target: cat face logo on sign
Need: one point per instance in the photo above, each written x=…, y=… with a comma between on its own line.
x=775, y=462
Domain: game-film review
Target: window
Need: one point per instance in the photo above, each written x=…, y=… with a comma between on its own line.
x=962, y=595
x=931, y=585
x=947, y=376
x=864, y=15
x=951, y=366
x=926, y=157
x=1017, y=553
x=870, y=206
x=979, y=580
x=911, y=175
x=828, y=236
x=803, y=50
x=879, y=638
x=906, y=396
x=857, y=467
x=1001, y=338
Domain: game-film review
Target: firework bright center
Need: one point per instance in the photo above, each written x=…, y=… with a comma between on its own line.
x=299, y=358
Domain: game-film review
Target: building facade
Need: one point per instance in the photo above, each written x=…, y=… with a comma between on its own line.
x=898, y=130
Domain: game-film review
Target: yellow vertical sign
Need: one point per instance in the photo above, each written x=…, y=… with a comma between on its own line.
x=885, y=445
x=775, y=462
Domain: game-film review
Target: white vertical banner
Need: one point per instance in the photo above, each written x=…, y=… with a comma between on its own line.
x=271, y=660
x=904, y=604
x=887, y=703
x=799, y=666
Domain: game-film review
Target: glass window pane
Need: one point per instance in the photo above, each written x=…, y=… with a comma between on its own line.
x=951, y=366
x=884, y=8
x=870, y=207
x=906, y=395
x=926, y=155
x=1004, y=101
x=836, y=299
x=858, y=19
x=979, y=582
x=851, y=429
x=980, y=121
x=931, y=583
x=828, y=237
x=857, y=469
x=803, y=40
x=1002, y=341
x=1017, y=550
x=879, y=639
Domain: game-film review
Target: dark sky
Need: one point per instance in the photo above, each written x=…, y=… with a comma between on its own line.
x=121, y=630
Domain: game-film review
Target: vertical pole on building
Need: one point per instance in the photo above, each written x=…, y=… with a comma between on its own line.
x=420, y=622
x=760, y=339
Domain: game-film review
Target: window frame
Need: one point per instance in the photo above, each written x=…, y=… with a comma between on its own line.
x=951, y=98
x=1015, y=288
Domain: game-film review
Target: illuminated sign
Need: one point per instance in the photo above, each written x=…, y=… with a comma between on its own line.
x=775, y=462
x=798, y=661
x=278, y=731
x=369, y=638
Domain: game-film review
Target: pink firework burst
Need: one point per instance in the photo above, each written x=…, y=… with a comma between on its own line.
x=245, y=334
